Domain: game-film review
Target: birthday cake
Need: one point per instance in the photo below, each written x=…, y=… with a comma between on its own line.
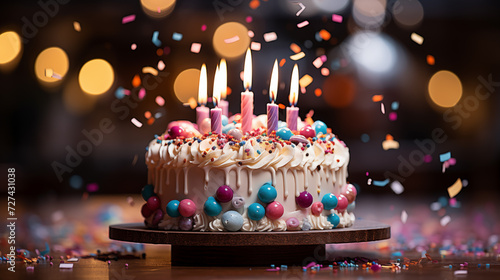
x=234, y=181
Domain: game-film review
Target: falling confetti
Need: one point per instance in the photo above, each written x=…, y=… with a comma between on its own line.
x=303, y=24
x=232, y=39
x=382, y=108
x=297, y=56
x=404, y=217
x=66, y=266
x=142, y=93
x=133, y=47
x=377, y=98
x=248, y=19
x=255, y=46
x=395, y=105
x=302, y=8
x=295, y=48
x=282, y=62
x=271, y=36
x=128, y=19
x=397, y=187
x=204, y=27
x=435, y=206
x=454, y=189
x=177, y=36
x=318, y=62
x=147, y=114
x=390, y=143
x=150, y=70
x=160, y=101
x=318, y=92
x=92, y=187
x=155, y=39
x=136, y=81
x=381, y=183
x=195, y=47
x=445, y=156
x=76, y=26
x=445, y=220
x=393, y=116
x=417, y=38
x=136, y=122
x=250, y=34
x=337, y=18
x=325, y=35
x=305, y=80
x=431, y=60
x=254, y=4
x=161, y=65
x=325, y=71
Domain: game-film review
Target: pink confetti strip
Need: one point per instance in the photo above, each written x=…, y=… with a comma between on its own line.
x=161, y=65
x=303, y=24
x=382, y=108
x=318, y=62
x=160, y=101
x=337, y=18
x=302, y=8
x=128, y=19
x=136, y=122
x=195, y=47
x=142, y=93
x=232, y=39
x=255, y=46
x=271, y=36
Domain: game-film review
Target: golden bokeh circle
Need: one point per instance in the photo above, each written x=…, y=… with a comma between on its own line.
x=96, y=76
x=445, y=89
x=225, y=43
x=186, y=85
x=10, y=46
x=157, y=8
x=54, y=60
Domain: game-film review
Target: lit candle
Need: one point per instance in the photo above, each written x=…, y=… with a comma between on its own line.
x=202, y=112
x=216, y=113
x=273, y=109
x=223, y=104
x=292, y=113
x=247, y=95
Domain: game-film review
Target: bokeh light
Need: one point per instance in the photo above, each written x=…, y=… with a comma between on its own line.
x=157, y=8
x=10, y=49
x=407, y=13
x=227, y=31
x=96, y=76
x=186, y=85
x=369, y=13
x=331, y=5
x=75, y=100
x=445, y=89
x=53, y=60
x=373, y=52
x=339, y=90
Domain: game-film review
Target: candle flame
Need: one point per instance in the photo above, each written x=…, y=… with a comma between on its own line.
x=294, y=86
x=217, y=87
x=202, y=88
x=223, y=78
x=247, y=71
x=273, y=87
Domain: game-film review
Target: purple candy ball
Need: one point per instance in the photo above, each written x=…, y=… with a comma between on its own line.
x=304, y=200
x=307, y=131
x=224, y=194
x=292, y=223
x=176, y=131
x=157, y=217
x=185, y=223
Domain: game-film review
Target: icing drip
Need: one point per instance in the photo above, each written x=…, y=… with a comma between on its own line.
x=206, y=170
x=238, y=177
x=226, y=176
x=297, y=191
x=273, y=176
x=177, y=171
x=285, y=189
x=250, y=181
x=160, y=189
x=319, y=222
x=306, y=184
x=185, y=169
x=216, y=225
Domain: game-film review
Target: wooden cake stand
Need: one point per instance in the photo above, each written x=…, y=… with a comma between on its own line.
x=250, y=248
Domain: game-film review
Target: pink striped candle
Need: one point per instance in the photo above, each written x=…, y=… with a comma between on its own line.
x=216, y=113
x=273, y=109
x=247, y=95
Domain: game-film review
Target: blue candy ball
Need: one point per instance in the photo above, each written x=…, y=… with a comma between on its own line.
x=224, y=120
x=267, y=193
x=212, y=207
x=226, y=128
x=256, y=212
x=232, y=220
x=329, y=201
x=319, y=127
x=147, y=192
x=334, y=219
x=173, y=208
x=284, y=133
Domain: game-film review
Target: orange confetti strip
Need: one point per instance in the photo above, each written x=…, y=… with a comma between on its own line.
x=254, y=4
x=282, y=62
x=281, y=106
x=151, y=121
x=377, y=98
x=305, y=80
x=136, y=81
x=147, y=114
x=295, y=48
x=229, y=91
x=389, y=137
x=325, y=35
x=159, y=52
x=318, y=92
x=431, y=60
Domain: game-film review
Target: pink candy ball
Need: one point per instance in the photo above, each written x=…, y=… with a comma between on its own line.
x=317, y=208
x=274, y=210
x=292, y=223
x=146, y=211
x=176, y=131
x=187, y=208
x=352, y=188
x=153, y=203
x=342, y=204
x=350, y=193
x=307, y=131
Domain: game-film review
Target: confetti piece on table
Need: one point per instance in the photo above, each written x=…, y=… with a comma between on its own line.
x=76, y=26
x=318, y=62
x=381, y=183
x=255, y=46
x=297, y=56
x=454, y=189
x=161, y=65
x=302, y=8
x=325, y=71
x=136, y=122
x=397, y=187
x=337, y=18
x=177, y=36
x=417, y=38
x=302, y=24
x=133, y=47
x=305, y=80
x=127, y=19
x=271, y=36
x=325, y=35
x=160, y=101
x=377, y=98
x=445, y=220
x=232, y=39
x=142, y=93
x=382, y=108
x=444, y=157
x=150, y=70
x=460, y=272
x=73, y=260
x=195, y=47
x=155, y=39
x=404, y=217
x=431, y=60
x=66, y=265
x=295, y=48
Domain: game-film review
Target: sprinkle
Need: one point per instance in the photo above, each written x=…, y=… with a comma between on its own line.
x=318, y=62
x=444, y=157
x=318, y=92
x=302, y=24
x=397, y=187
x=255, y=46
x=150, y=70
x=233, y=39
x=377, y=98
x=136, y=122
x=297, y=56
x=155, y=39
x=133, y=47
x=302, y=8
x=382, y=108
x=337, y=18
x=487, y=265
x=445, y=220
x=195, y=47
x=381, y=183
x=393, y=116
x=417, y=38
x=305, y=80
x=161, y=65
x=395, y=105
x=325, y=71
x=177, y=36
x=76, y=26
x=142, y=93
x=128, y=19
x=325, y=35
x=66, y=265
x=295, y=48
x=73, y=260
x=160, y=101
x=282, y=62
x=271, y=36
x=404, y=217
x=454, y=189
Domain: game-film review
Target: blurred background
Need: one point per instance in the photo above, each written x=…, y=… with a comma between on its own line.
x=87, y=84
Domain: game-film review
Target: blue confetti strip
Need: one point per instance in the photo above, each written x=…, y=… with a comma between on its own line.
x=444, y=157
x=155, y=39
x=177, y=36
x=381, y=183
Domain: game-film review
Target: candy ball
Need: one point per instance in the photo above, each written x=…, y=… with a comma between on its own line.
x=256, y=212
x=334, y=219
x=297, y=139
x=173, y=208
x=267, y=193
x=185, y=223
x=238, y=202
x=350, y=196
x=342, y=203
x=205, y=126
x=351, y=206
x=284, y=133
x=224, y=120
x=224, y=194
x=228, y=127
x=232, y=220
x=146, y=211
x=175, y=131
x=317, y=208
x=212, y=207
x=153, y=203
x=147, y=191
x=274, y=210
x=236, y=133
x=292, y=223
x=307, y=131
x=329, y=201
x=352, y=188
x=319, y=127
x=187, y=208
x=304, y=199
x=157, y=217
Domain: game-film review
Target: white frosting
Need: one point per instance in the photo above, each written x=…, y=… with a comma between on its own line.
x=319, y=222
x=216, y=225
x=169, y=223
x=201, y=222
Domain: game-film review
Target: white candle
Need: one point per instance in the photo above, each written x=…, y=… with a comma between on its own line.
x=292, y=113
x=202, y=112
x=247, y=95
